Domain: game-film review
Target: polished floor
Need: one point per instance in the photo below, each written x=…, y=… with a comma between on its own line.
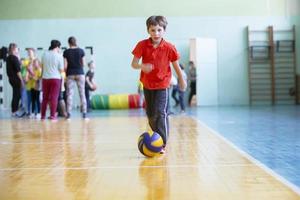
x=269, y=134
x=98, y=159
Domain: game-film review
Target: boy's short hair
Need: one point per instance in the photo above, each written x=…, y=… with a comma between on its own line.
x=157, y=20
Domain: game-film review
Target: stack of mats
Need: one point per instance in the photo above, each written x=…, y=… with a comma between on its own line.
x=115, y=101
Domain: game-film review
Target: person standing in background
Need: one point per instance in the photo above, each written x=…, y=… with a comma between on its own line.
x=89, y=83
x=61, y=107
x=140, y=91
x=174, y=86
x=36, y=83
x=33, y=74
x=52, y=67
x=192, y=76
x=13, y=70
x=74, y=63
x=180, y=91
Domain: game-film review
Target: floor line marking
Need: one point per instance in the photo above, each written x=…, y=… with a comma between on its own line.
x=118, y=167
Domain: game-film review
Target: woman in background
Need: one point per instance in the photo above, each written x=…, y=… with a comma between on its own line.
x=13, y=69
x=52, y=67
x=74, y=63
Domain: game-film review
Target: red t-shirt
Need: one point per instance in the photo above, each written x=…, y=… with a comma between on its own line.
x=160, y=57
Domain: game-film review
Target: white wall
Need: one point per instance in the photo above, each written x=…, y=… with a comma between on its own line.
x=203, y=52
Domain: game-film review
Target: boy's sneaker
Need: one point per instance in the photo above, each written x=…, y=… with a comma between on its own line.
x=163, y=150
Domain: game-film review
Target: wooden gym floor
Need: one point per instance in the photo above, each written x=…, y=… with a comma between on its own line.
x=98, y=159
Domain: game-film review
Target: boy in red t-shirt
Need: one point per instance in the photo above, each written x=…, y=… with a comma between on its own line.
x=156, y=55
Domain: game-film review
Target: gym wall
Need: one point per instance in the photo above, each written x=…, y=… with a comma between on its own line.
x=114, y=27
x=43, y=9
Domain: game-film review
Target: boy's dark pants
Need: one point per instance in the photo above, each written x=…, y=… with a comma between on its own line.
x=157, y=105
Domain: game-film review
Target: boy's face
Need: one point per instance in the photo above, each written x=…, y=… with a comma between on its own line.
x=156, y=33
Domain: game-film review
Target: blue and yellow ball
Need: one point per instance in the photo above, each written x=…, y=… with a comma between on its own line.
x=150, y=144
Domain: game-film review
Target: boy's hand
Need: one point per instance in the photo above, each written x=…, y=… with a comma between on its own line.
x=146, y=67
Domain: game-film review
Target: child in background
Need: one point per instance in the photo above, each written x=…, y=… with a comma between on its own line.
x=141, y=94
x=174, y=86
x=29, y=81
x=24, y=97
x=182, y=92
x=156, y=54
x=89, y=84
x=61, y=106
x=177, y=94
x=192, y=78
x=174, y=89
x=34, y=73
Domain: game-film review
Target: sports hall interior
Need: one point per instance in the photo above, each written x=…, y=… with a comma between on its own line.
x=239, y=139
